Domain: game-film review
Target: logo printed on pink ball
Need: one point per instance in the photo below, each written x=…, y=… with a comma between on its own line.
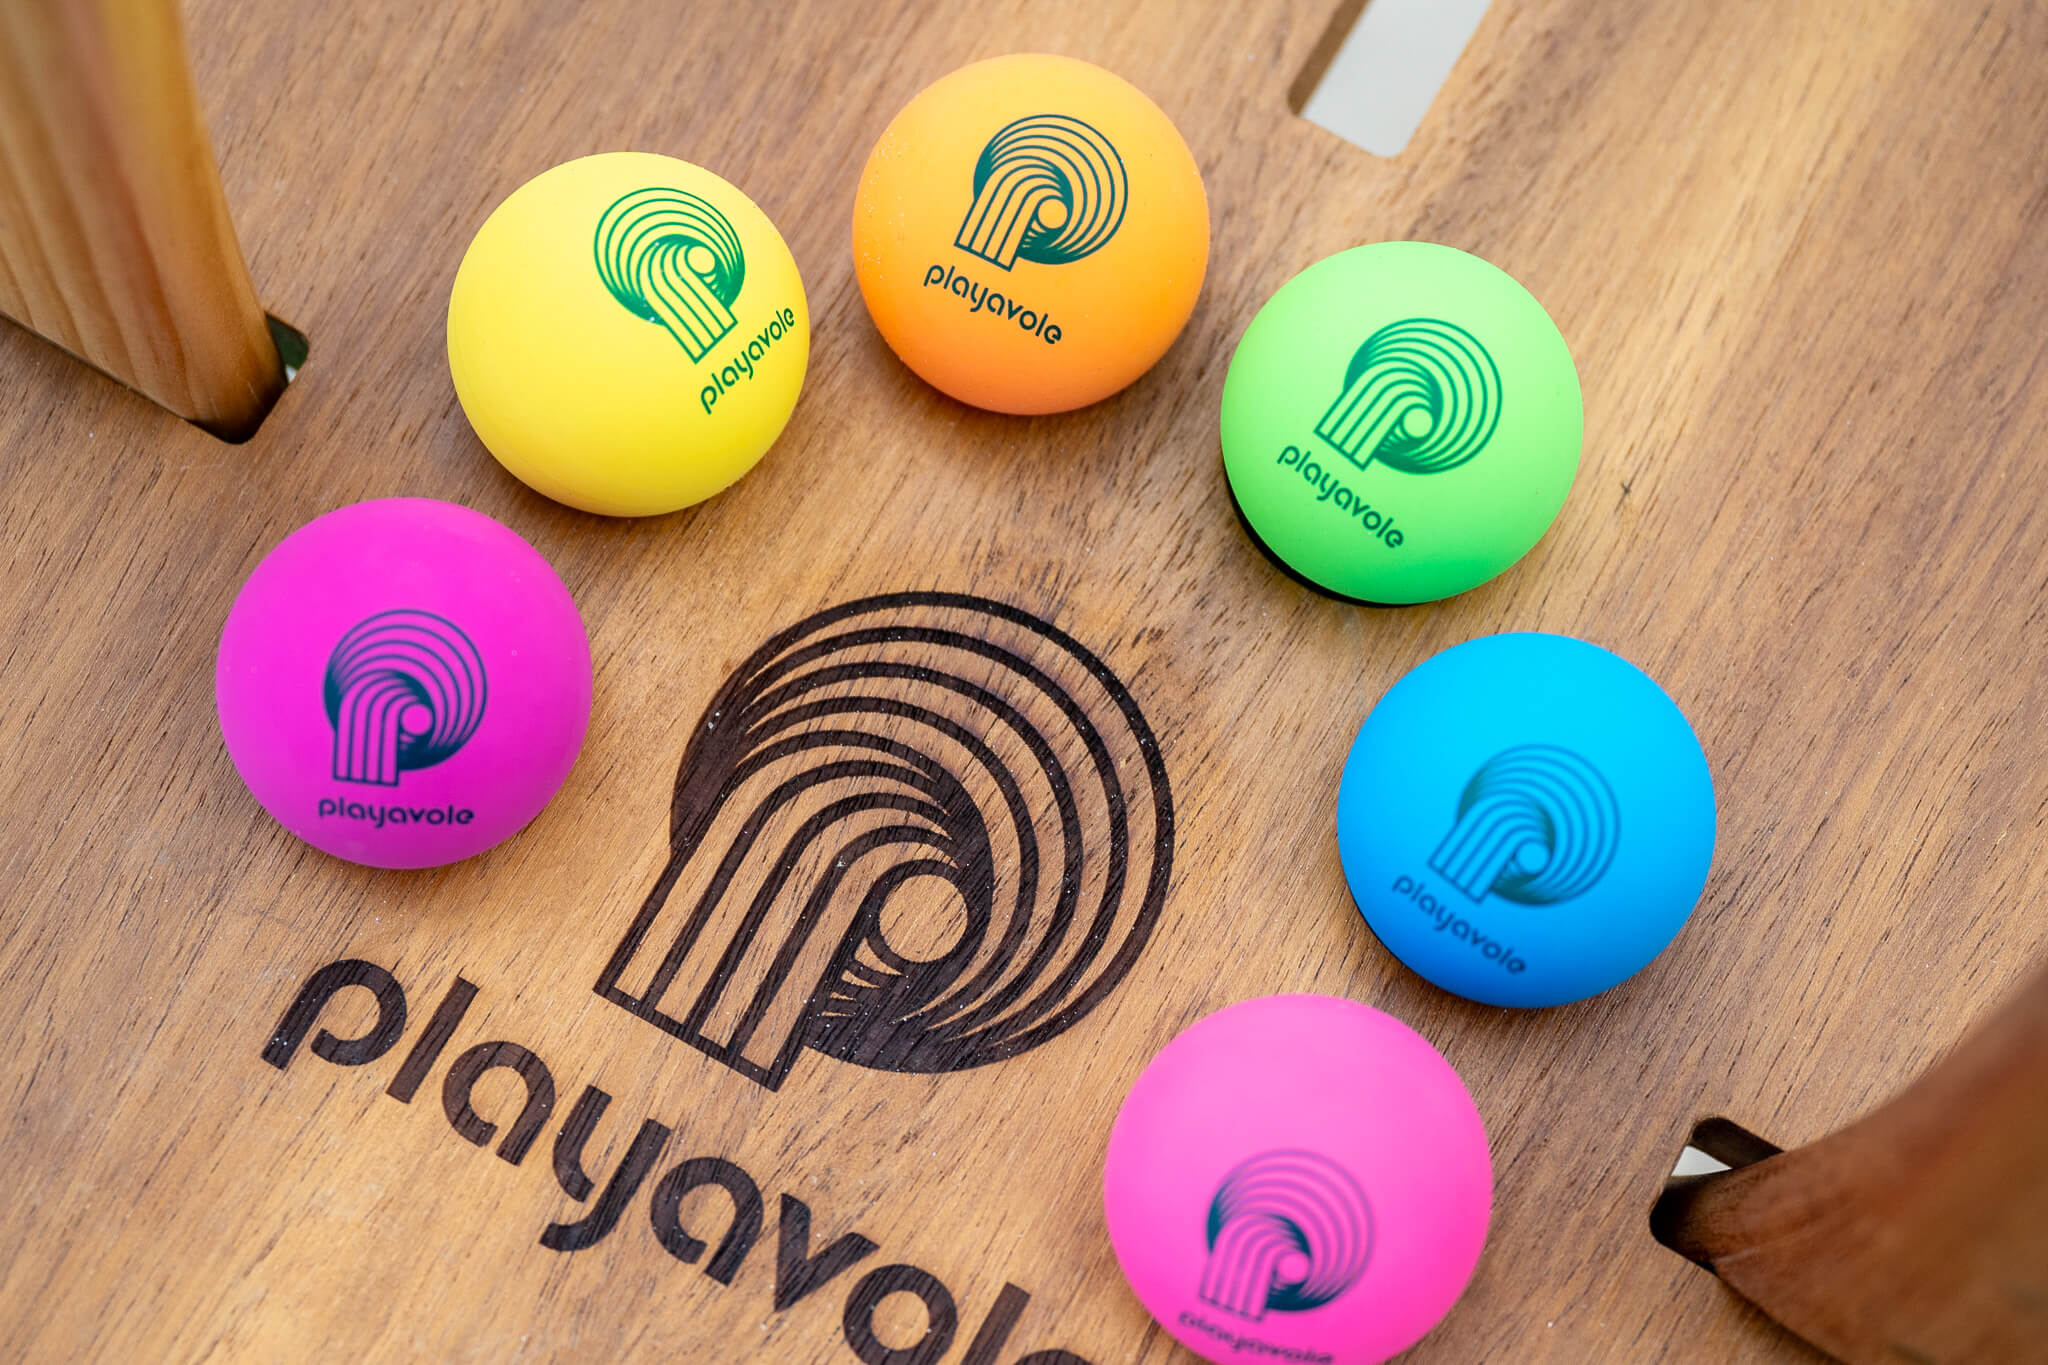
x=1288, y=1230
x=404, y=690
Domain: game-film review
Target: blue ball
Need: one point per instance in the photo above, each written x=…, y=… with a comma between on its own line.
x=1526, y=819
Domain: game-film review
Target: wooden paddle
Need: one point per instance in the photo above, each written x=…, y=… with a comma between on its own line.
x=115, y=241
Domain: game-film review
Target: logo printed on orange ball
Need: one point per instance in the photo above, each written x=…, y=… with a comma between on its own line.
x=1030, y=234
x=1047, y=188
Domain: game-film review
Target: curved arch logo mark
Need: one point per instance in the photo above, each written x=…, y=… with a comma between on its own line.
x=918, y=833
x=1536, y=825
x=669, y=257
x=1421, y=395
x=1288, y=1230
x=1047, y=188
x=404, y=690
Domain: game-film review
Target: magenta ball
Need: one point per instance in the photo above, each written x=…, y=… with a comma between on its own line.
x=403, y=683
x=1298, y=1178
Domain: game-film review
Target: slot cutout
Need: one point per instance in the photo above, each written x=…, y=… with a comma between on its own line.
x=1379, y=68
x=1717, y=1146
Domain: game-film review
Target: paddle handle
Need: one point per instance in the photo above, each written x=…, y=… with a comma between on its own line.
x=115, y=241
x=1917, y=1233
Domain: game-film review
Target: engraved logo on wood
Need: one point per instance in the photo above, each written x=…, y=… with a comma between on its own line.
x=920, y=832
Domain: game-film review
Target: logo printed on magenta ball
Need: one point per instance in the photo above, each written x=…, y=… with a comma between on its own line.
x=404, y=690
x=1536, y=825
x=1288, y=1230
x=1048, y=189
x=671, y=258
x=919, y=833
x=1421, y=396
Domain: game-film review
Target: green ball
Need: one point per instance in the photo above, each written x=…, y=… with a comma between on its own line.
x=1401, y=422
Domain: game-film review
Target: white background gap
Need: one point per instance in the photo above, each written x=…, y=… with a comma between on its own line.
x=1389, y=68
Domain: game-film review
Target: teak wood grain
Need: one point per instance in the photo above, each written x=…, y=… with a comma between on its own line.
x=1798, y=251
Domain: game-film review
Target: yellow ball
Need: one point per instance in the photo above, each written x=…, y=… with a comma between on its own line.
x=628, y=333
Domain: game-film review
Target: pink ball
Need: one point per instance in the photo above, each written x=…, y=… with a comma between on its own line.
x=403, y=682
x=1298, y=1178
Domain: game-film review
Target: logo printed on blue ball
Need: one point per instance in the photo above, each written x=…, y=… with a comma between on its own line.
x=1288, y=1230
x=1049, y=189
x=670, y=257
x=404, y=690
x=1526, y=819
x=1534, y=800
x=1421, y=395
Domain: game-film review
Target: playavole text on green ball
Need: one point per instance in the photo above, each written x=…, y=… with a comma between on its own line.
x=1329, y=489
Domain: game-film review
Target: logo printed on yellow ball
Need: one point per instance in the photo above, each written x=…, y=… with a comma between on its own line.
x=671, y=258
x=1047, y=188
x=741, y=366
x=1420, y=395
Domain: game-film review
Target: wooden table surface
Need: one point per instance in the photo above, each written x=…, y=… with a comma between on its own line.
x=1800, y=251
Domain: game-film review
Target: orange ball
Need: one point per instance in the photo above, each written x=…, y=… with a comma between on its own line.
x=1030, y=234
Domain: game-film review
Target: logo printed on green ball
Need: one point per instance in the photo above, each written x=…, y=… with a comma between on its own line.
x=1535, y=802
x=671, y=258
x=1047, y=188
x=1421, y=395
